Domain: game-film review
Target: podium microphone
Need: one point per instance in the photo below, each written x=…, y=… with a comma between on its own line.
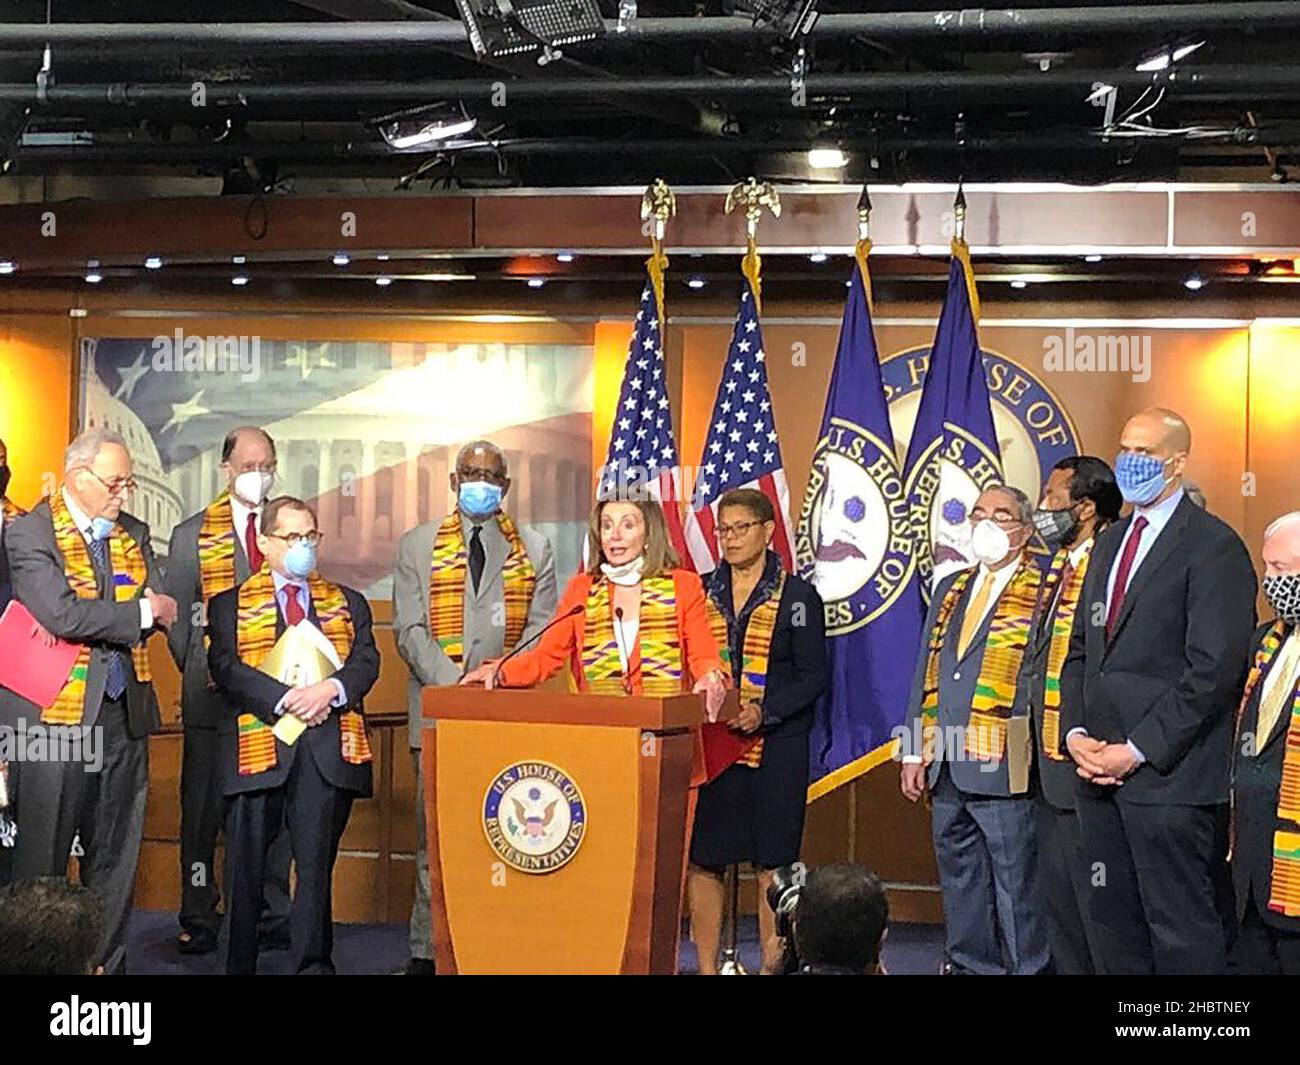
x=623, y=650
x=576, y=609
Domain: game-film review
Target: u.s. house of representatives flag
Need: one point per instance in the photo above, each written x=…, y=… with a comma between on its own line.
x=741, y=450
x=953, y=454
x=855, y=544
x=642, y=455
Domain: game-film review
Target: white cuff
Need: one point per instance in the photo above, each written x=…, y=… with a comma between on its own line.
x=146, y=614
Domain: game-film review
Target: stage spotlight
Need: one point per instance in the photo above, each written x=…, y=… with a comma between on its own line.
x=420, y=127
x=508, y=27
x=793, y=18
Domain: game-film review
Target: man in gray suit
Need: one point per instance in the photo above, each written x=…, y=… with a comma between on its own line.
x=86, y=571
x=973, y=729
x=227, y=531
x=495, y=589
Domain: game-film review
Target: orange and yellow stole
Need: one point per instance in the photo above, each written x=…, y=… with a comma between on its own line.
x=9, y=510
x=660, y=642
x=217, y=548
x=1284, y=892
x=447, y=585
x=1062, y=625
x=757, y=649
x=1004, y=650
x=129, y=577
x=255, y=636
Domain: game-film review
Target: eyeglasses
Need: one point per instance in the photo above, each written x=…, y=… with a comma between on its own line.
x=479, y=474
x=293, y=539
x=254, y=467
x=737, y=529
x=118, y=486
x=1002, y=518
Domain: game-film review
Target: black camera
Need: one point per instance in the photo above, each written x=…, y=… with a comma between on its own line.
x=783, y=897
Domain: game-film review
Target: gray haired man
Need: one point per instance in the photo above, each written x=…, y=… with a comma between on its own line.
x=467, y=589
x=973, y=721
x=86, y=571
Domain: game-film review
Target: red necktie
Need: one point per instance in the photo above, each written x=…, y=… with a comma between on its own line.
x=1121, y=577
x=250, y=544
x=292, y=608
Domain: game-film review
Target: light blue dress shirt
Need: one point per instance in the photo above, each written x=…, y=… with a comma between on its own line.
x=304, y=600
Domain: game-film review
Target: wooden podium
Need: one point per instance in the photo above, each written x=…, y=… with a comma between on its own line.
x=557, y=829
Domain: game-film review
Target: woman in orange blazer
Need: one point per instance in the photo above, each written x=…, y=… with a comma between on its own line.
x=638, y=623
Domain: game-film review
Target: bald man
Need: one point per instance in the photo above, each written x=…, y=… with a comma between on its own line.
x=1155, y=670
x=1266, y=825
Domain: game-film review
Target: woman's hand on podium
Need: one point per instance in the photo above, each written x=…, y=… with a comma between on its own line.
x=484, y=673
x=714, y=688
x=749, y=718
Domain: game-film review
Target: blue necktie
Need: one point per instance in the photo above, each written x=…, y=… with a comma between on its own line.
x=116, y=683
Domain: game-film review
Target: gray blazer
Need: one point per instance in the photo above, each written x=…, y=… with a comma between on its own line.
x=201, y=707
x=426, y=660
x=956, y=693
x=36, y=568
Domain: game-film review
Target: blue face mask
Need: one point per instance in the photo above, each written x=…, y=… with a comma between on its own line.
x=1140, y=477
x=300, y=559
x=479, y=499
x=100, y=528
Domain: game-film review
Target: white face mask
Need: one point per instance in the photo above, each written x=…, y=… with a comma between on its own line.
x=989, y=543
x=627, y=574
x=253, y=486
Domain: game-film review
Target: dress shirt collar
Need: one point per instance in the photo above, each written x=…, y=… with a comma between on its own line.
x=1160, y=513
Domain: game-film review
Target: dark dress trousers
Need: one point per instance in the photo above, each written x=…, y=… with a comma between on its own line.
x=756, y=815
x=58, y=800
x=310, y=786
x=1168, y=679
x=1267, y=943
x=202, y=712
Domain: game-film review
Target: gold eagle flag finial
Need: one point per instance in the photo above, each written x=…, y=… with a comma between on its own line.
x=658, y=204
x=753, y=196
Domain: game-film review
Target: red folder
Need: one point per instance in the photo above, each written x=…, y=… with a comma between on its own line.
x=27, y=666
x=723, y=745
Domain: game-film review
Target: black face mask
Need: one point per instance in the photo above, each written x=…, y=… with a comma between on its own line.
x=4, y=480
x=1283, y=595
x=1058, y=528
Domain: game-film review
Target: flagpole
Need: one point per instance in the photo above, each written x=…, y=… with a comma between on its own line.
x=961, y=250
x=862, y=250
x=753, y=197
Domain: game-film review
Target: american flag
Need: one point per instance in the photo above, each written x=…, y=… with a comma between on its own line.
x=642, y=449
x=742, y=449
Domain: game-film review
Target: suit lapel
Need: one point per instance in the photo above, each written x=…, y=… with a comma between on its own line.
x=1164, y=547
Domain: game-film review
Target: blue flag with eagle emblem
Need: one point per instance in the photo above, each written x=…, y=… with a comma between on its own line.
x=854, y=544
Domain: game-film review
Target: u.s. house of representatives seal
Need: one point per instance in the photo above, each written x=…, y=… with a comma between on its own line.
x=853, y=540
x=534, y=817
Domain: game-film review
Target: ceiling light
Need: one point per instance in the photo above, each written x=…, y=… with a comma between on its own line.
x=1092, y=258
x=827, y=159
x=1166, y=57
x=422, y=126
x=565, y=257
x=536, y=282
x=1019, y=283
x=382, y=281
x=498, y=28
x=818, y=257
x=92, y=272
x=341, y=258
x=382, y=258
x=153, y=263
x=1195, y=282
x=238, y=260
x=239, y=279
x=695, y=282
x=7, y=267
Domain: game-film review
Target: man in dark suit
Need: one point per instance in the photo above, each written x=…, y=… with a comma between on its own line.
x=9, y=513
x=312, y=781
x=85, y=569
x=1080, y=499
x=1266, y=824
x=1156, y=664
x=211, y=552
x=971, y=719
